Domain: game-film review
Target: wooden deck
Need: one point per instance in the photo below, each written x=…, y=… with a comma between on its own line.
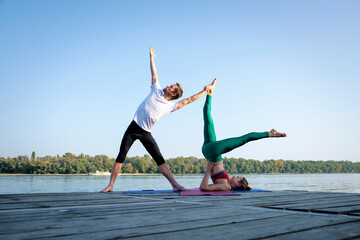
x=258, y=215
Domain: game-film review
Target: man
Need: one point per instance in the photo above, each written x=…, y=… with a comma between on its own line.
x=155, y=106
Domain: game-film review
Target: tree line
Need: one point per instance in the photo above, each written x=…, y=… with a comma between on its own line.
x=82, y=164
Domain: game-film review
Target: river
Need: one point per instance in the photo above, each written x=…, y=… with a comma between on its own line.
x=14, y=184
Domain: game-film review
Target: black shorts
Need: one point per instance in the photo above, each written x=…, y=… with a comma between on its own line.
x=133, y=133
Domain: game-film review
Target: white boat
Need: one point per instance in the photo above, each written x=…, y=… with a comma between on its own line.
x=98, y=173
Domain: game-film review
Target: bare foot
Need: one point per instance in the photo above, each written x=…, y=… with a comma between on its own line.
x=107, y=189
x=214, y=82
x=179, y=188
x=210, y=88
x=274, y=133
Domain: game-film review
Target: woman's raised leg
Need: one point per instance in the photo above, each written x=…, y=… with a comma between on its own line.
x=226, y=145
x=209, y=129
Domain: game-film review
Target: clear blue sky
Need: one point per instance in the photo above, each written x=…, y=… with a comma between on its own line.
x=72, y=74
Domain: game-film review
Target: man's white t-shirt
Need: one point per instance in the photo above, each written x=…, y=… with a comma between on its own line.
x=154, y=107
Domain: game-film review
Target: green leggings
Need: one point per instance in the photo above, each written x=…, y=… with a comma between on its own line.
x=213, y=149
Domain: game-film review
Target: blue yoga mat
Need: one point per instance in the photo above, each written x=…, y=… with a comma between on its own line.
x=171, y=191
x=152, y=191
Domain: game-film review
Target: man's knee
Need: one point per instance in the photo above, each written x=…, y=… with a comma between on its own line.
x=162, y=165
x=120, y=158
x=160, y=161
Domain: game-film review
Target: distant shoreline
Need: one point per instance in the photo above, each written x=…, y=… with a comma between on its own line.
x=153, y=174
x=80, y=174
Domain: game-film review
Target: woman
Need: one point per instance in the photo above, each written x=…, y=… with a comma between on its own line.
x=213, y=149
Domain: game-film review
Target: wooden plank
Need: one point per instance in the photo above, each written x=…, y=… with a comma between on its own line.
x=328, y=207
x=24, y=215
x=41, y=198
x=105, y=206
x=7, y=198
x=244, y=195
x=219, y=228
x=248, y=230
x=268, y=198
x=254, y=195
x=278, y=199
x=322, y=202
x=355, y=213
x=340, y=231
x=132, y=224
x=340, y=210
x=55, y=204
x=335, y=208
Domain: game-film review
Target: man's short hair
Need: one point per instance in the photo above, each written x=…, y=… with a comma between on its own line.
x=178, y=92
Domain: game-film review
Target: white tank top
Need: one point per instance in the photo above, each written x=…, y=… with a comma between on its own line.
x=154, y=107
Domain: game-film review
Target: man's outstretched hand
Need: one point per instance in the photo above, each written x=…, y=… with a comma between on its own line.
x=152, y=53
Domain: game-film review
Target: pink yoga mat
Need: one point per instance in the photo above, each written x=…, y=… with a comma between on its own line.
x=198, y=192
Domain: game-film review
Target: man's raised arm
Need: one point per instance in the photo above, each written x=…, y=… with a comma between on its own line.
x=188, y=100
x=154, y=77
